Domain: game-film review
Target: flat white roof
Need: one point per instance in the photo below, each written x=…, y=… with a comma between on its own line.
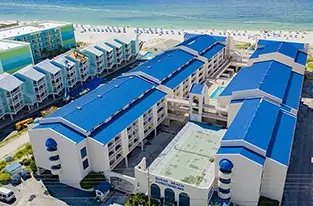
x=5, y=44
x=189, y=157
x=104, y=47
x=47, y=66
x=63, y=61
x=11, y=32
x=9, y=82
x=31, y=73
x=114, y=43
x=124, y=38
x=93, y=50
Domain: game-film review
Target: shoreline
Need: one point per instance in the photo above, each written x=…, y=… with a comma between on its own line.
x=152, y=35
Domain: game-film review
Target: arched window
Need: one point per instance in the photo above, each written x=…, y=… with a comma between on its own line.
x=184, y=199
x=195, y=100
x=155, y=191
x=169, y=196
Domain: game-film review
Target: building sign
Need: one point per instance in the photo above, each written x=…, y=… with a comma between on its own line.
x=168, y=183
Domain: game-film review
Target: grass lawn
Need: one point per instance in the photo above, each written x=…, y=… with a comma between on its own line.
x=92, y=180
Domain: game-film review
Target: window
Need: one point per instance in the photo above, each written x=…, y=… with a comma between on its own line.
x=85, y=164
x=83, y=152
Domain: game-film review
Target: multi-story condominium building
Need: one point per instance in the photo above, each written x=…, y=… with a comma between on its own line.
x=130, y=47
x=54, y=76
x=124, y=112
x=203, y=164
x=12, y=100
x=69, y=70
x=82, y=63
x=35, y=89
x=14, y=55
x=108, y=56
x=117, y=51
x=96, y=58
x=43, y=37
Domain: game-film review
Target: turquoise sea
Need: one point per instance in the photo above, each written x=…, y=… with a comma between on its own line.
x=240, y=14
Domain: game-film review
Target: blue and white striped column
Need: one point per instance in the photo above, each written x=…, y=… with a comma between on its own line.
x=224, y=181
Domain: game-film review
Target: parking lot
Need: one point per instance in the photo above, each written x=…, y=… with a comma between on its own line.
x=299, y=181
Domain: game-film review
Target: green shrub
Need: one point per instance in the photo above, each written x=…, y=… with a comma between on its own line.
x=264, y=201
x=32, y=166
x=3, y=164
x=26, y=162
x=4, y=177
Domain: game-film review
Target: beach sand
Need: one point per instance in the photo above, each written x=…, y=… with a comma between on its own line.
x=151, y=36
x=98, y=33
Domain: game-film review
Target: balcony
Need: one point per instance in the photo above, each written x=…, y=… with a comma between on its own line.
x=223, y=185
x=56, y=169
x=54, y=158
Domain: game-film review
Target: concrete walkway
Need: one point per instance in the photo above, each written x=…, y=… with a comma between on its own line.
x=13, y=145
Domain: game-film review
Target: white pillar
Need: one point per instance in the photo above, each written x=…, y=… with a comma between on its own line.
x=11, y=116
x=126, y=161
x=141, y=144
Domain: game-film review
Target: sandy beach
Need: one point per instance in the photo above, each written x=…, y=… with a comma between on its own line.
x=97, y=33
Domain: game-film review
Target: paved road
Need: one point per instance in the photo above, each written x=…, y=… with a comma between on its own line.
x=13, y=145
x=299, y=181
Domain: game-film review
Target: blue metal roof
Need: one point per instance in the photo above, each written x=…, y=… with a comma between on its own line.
x=243, y=152
x=268, y=76
x=103, y=102
x=108, y=131
x=199, y=43
x=63, y=130
x=182, y=75
x=254, y=123
x=13, y=166
x=165, y=64
x=301, y=58
x=282, y=139
x=196, y=88
x=294, y=89
x=265, y=42
x=213, y=50
x=191, y=35
x=289, y=49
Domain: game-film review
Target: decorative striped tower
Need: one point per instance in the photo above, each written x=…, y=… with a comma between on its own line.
x=224, y=181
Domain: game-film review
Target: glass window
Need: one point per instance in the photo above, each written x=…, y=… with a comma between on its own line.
x=85, y=164
x=83, y=152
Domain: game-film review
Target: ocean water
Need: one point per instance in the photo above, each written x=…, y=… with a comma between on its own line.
x=231, y=14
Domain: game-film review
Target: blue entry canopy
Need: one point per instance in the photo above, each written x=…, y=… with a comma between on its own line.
x=103, y=187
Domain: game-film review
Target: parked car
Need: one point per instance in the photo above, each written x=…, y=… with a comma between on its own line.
x=16, y=179
x=6, y=194
x=25, y=173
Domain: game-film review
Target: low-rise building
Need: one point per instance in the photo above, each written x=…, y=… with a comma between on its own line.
x=35, y=89
x=117, y=52
x=14, y=56
x=69, y=70
x=96, y=58
x=54, y=76
x=82, y=62
x=12, y=100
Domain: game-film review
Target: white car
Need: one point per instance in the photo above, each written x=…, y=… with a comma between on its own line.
x=6, y=194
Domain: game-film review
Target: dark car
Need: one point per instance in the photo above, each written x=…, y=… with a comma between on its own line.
x=25, y=173
x=15, y=179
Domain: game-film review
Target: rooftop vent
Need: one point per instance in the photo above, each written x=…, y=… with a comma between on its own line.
x=116, y=86
x=78, y=108
x=159, y=60
x=131, y=77
x=149, y=67
x=99, y=95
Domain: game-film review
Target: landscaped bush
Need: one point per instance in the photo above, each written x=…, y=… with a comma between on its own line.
x=3, y=164
x=140, y=200
x=92, y=180
x=264, y=201
x=4, y=177
x=25, y=162
x=32, y=166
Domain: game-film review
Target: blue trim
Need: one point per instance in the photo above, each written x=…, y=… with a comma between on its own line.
x=225, y=181
x=54, y=158
x=56, y=167
x=224, y=191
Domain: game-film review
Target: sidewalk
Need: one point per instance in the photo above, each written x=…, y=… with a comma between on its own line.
x=13, y=145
